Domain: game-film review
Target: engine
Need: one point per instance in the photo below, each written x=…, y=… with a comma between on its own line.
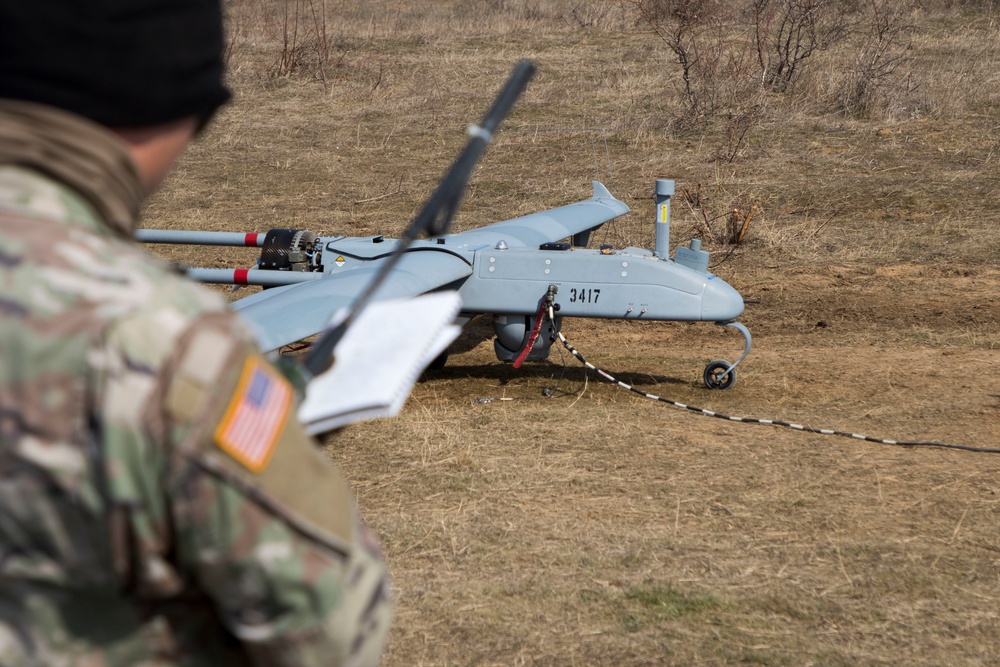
x=291, y=250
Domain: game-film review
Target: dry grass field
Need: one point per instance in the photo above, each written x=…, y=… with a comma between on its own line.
x=584, y=525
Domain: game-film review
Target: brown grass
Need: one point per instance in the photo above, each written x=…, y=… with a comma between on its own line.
x=596, y=528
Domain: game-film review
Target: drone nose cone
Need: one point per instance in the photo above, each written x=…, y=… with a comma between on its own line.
x=720, y=302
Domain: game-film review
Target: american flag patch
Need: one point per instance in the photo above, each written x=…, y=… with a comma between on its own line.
x=256, y=415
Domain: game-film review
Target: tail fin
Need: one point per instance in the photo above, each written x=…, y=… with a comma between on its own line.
x=601, y=192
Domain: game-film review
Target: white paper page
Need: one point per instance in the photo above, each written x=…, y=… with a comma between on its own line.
x=379, y=359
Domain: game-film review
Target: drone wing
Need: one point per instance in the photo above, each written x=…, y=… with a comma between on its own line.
x=283, y=315
x=547, y=226
x=287, y=314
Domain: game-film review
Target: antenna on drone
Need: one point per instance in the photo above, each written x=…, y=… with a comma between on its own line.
x=437, y=213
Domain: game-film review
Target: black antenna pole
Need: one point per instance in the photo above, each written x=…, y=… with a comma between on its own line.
x=436, y=216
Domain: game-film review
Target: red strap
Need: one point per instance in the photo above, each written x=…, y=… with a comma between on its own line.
x=240, y=276
x=539, y=318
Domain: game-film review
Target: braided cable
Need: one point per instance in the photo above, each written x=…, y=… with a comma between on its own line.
x=752, y=420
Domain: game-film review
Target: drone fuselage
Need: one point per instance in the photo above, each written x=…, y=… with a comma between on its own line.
x=631, y=283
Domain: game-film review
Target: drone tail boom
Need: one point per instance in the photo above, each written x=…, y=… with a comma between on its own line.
x=185, y=237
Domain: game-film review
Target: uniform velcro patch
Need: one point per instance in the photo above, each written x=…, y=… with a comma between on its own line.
x=253, y=422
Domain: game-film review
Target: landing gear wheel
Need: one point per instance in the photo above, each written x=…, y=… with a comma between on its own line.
x=714, y=372
x=439, y=362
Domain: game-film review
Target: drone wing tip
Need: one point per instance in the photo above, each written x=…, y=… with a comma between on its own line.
x=601, y=192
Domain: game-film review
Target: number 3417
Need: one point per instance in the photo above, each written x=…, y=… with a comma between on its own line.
x=584, y=295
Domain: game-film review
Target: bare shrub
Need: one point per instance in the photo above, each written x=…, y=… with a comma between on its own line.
x=304, y=37
x=739, y=124
x=726, y=49
x=704, y=36
x=726, y=222
x=734, y=55
x=881, y=53
x=788, y=32
x=297, y=35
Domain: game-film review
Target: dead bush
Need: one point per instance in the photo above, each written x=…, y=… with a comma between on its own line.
x=880, y=54
x=788, y=32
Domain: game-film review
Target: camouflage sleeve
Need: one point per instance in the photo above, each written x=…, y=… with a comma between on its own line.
x=257, y=518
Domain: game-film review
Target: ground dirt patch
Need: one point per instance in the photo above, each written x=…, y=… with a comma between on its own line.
x=593, y=527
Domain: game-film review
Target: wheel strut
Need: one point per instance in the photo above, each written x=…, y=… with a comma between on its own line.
x=720, y=374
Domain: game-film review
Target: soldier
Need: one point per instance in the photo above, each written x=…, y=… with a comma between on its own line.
x=159, y=501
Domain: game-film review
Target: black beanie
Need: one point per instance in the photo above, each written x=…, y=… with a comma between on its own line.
x=121, y=63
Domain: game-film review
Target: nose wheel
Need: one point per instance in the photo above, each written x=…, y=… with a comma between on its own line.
x=720, y=374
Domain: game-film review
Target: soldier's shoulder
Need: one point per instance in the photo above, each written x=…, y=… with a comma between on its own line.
x=164, y=307
x=58, y=246
x=32, y=194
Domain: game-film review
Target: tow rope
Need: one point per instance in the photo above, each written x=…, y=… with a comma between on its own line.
x=751, y=420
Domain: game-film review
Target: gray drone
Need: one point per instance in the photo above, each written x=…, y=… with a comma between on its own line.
x=513, y=269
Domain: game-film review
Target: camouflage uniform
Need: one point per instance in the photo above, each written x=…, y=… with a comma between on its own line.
x=145, y=519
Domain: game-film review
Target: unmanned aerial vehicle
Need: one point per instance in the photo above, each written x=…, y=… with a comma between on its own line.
x=512, y=270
